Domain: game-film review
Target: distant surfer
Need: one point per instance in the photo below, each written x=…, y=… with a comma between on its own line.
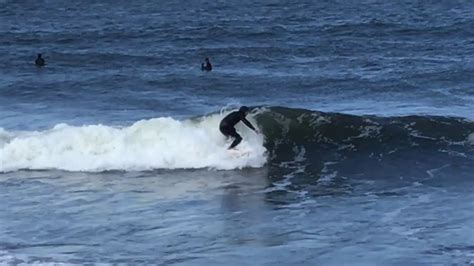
x=39, y=62
x=228, y=123
x=206, y=66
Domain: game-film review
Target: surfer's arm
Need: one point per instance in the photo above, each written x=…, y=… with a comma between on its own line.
x=247, y=123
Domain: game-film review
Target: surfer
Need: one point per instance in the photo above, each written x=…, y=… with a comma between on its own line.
x=227, y=125
x=206, y=66
x=39, y=62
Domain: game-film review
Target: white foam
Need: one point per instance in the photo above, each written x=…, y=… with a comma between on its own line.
x=160, y=143
x=470, y=139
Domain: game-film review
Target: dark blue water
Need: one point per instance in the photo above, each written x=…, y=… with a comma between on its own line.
x=110, y=153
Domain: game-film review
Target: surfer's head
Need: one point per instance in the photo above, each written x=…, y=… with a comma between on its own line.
x=39, y=55
x=244, y=110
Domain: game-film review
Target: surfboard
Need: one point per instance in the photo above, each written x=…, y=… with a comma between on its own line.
x=239, y=153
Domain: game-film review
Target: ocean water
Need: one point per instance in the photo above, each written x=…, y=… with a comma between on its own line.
x=111, y=152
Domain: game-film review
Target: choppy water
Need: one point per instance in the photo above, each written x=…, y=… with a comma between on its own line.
x=111, y=152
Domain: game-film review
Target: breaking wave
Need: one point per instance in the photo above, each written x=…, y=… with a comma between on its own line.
x=166, y=143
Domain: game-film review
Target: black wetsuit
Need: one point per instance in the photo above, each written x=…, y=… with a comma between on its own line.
x=227, y=126
x=39, y=62
x=206, y=66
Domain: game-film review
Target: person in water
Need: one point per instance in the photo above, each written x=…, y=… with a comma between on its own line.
x=39, y=62
x=228, y=123
x=206, y=66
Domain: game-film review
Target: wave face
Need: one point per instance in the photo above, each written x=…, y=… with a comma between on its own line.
x=161, y=143
x=346, y=145
x=353, y=143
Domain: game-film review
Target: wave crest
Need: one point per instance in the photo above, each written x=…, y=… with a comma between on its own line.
x=161, y=143
x=165, y=143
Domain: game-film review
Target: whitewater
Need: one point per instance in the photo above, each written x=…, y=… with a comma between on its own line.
x=160, y=143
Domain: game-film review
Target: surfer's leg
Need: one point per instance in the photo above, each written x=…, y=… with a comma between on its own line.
x=229, y=131
x=226, y=130
x=237, y=139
